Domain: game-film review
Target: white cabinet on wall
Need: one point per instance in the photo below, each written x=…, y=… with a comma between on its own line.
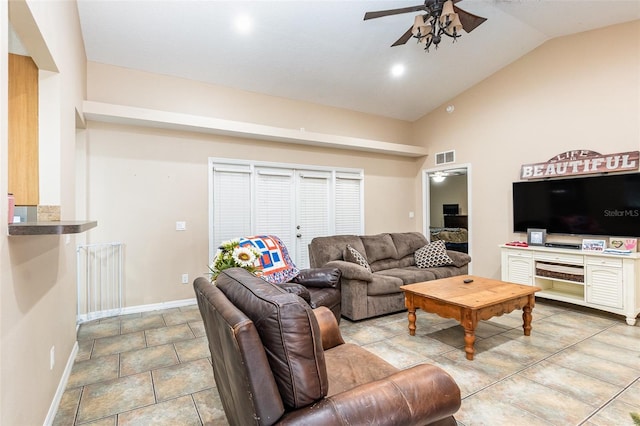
x=607, y=282
x=295, y=203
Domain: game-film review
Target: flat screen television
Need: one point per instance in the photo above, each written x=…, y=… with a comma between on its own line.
x=449, y=209
x=596, y=205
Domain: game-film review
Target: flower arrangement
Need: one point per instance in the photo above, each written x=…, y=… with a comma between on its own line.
x=231, y=255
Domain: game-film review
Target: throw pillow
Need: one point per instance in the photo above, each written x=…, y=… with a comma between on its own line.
x=354, y=256
x=432, y=255
x=276, y=265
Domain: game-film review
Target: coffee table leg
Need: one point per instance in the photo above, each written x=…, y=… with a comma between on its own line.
x=526, y=319
x=412, y=321
x=469, y=323
x=469, y=340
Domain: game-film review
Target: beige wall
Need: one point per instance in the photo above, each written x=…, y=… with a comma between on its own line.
x=141, y=181
x=122, y=86
x=158, y=177
x=37, y=280
x=575, y=92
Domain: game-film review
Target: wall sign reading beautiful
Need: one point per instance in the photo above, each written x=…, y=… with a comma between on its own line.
x=581, y=162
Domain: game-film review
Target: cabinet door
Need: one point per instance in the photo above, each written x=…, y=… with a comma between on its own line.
x=519, y=268
x=23, y=163
x=604, y=285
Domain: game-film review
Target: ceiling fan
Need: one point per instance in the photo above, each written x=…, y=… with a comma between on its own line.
x=442, y=17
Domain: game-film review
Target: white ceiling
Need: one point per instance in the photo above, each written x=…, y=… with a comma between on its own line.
x=324, y=52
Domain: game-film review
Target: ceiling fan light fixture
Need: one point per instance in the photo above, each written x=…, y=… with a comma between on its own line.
x=438, y=177
x=426, y=39
x=418, y=22
x=455, y=26
x=440, y=17
x=447, y=13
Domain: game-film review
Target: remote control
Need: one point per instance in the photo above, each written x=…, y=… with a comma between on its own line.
x=468, y=280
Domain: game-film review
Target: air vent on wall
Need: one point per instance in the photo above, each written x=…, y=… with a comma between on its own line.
x=446, y=157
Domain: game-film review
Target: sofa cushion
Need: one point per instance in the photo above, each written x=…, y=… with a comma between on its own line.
x=384, y=264
x=411, y=274
x=383, y=284
x=459, y=259
x=350, y=365
x=323, y=250
x=432, y=255
x=408, y=242
x=379, y=247
x=354, y=256
x=289, y=332
x=447, y=271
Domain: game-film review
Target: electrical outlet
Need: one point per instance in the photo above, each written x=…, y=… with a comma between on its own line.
x=181, y=226
x=52, y=357
x=185, y=278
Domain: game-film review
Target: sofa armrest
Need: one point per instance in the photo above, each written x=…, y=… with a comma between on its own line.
x=298, y=290
x=417, y=396
x=459, y=259
x=329, y=330
x=351, y=271
x=318, y=277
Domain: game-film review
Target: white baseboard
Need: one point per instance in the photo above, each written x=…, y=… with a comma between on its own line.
x=157, y=306
x=135, y=309
x=55, y=403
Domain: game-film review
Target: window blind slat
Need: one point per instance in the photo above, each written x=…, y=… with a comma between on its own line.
x=274, y=206
x=232, y=205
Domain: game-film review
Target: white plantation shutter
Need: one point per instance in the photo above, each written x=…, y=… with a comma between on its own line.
x=232, y=202
x=313, y=214
x=296, y=205
x=349, y=204
x=274, y=207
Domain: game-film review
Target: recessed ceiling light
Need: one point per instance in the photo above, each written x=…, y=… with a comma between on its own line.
x=397, y=70
x=243, y=24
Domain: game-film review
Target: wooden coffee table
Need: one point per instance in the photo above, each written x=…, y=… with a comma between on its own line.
x=469, y=303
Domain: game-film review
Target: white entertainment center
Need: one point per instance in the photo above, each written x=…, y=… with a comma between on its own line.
x=609, y=282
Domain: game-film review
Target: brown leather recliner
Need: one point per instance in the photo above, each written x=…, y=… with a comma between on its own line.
x=318, y=287
x=277, y=361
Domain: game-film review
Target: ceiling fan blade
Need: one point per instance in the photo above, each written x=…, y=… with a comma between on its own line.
x=381, y=13
x=405, y=38
x=469, y=20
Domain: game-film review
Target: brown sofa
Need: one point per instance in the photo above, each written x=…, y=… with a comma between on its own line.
x=277, y=361
x=391, y=259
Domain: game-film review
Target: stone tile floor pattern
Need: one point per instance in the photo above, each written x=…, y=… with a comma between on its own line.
x=578, y=367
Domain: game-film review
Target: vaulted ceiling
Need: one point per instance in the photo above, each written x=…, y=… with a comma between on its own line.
x=324, y=52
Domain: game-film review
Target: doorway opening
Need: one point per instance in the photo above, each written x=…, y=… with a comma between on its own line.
x=446, y=192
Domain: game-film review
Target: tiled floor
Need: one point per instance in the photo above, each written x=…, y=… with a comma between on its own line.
x=577, y=368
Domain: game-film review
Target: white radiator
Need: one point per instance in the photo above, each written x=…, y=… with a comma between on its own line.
x=99, y=278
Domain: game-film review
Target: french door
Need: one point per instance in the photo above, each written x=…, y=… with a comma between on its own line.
x=312, y=210
x=295, y=203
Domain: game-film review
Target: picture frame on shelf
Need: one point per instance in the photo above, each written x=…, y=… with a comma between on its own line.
x=594, y=245
x=536, y=236
x=622, y=243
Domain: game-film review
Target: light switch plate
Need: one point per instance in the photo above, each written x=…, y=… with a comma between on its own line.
x=181, y=226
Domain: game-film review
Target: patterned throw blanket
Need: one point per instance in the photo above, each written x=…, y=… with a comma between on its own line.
x=277, y=267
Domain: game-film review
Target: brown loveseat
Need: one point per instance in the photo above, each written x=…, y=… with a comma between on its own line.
x=277, y=361
x=392, y=263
